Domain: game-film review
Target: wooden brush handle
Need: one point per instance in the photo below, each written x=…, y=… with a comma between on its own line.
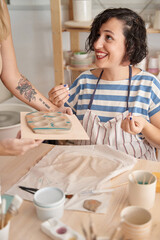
x=7, y=218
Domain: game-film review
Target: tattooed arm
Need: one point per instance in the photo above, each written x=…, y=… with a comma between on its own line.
x=26, y=90
x=15, y=82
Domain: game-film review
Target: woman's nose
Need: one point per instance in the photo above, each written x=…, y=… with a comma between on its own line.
x=99, y=43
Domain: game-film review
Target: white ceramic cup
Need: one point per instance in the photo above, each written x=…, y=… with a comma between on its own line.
x=82, y=10
x=142, y=189
x=4, y=232
x=136, y=223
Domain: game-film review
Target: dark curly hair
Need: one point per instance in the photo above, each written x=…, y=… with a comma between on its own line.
x=134, y=31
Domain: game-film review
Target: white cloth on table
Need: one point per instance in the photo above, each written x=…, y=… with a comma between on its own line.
x=75, y=169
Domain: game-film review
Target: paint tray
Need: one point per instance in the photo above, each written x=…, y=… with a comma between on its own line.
x=48, y=122
x=51, y=126
x=57, y=230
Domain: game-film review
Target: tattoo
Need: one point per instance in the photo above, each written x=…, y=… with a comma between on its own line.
x=24, y=87
x=45, y=104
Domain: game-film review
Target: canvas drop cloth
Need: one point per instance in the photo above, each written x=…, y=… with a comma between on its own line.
x=76, y=169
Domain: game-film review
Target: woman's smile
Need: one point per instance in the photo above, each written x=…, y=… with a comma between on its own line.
x=100, y=54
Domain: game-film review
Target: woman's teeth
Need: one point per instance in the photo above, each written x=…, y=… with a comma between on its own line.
x=101, y=55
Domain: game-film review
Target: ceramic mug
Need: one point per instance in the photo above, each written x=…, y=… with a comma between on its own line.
x=142, y=189
x=136, y=223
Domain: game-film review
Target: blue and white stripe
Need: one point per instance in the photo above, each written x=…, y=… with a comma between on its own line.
x=111, y=96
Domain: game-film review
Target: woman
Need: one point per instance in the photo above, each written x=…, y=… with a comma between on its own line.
x=118, y=104
x=18, y=85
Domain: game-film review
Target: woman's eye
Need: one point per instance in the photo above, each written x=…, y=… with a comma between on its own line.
x=98, y=35
x=108, y=37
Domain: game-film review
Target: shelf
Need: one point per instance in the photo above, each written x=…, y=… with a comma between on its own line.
x=69, y=29
x=74, y=29
x=151, y=30
x=79, y=69
x=78, y=25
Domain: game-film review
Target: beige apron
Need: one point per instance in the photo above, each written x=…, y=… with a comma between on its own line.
x=111, y=133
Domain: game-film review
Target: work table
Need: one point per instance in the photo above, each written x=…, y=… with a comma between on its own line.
x=26, y=225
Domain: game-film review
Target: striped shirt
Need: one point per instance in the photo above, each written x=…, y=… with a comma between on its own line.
x=111, y=96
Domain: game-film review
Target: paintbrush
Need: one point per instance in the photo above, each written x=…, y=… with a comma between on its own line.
x=115, y=233
x=33, y=190
x=106, y=190
x=3, y=210
x=91, y=235
x=150, y=179
x=13, y=208
x=135, y=180
x=30, y=190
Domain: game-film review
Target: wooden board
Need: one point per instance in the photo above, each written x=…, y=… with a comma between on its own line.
x=77, y=132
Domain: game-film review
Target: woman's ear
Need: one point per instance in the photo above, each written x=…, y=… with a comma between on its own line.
x=126, y=63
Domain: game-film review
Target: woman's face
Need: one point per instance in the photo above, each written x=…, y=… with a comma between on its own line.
x=110, y=44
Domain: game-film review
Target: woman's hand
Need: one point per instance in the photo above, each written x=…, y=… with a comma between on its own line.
x=17, y=146
x=66, y=110
x=59, y=95
x=133, y=124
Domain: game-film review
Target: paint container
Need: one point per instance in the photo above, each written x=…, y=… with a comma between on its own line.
x=49, y=203
x=142, y=189
x=57, y=230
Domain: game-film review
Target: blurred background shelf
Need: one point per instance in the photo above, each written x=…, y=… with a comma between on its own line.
x=72, y=68
x=74, y=29
x=151, y=30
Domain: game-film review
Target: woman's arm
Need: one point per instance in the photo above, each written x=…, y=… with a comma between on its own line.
x=17, y=146
x=15, y=82
x=151, y=131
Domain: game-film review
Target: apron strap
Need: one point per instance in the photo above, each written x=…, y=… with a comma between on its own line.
x=129, y=85
x=93, y=94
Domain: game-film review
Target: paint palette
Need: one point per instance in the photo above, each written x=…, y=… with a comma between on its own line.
x=59, y=231
x=48, y=122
